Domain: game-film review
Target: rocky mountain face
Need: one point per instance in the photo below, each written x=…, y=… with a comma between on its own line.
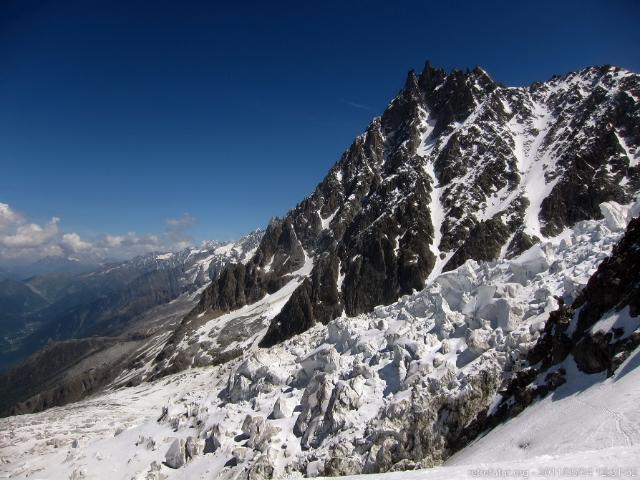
x=99, y=319
x=457, y=167
x=597, y=329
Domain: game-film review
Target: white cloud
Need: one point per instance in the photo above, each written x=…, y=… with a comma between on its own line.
x=21, y=240
x=31, y=235
x=51, y=250
x=8, y=216
x=74, y=242
x=131, y=244
x=113, y=241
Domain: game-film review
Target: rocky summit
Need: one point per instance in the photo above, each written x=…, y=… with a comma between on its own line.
x=457, y=167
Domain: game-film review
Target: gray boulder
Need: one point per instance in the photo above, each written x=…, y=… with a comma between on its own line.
x=175, y=456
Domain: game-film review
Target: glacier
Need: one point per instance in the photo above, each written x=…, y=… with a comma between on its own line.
x=336, y=398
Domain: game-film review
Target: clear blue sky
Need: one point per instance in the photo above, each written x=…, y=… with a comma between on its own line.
x=115, y=115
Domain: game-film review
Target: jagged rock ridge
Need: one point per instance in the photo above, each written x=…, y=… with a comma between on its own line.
x=457, y=167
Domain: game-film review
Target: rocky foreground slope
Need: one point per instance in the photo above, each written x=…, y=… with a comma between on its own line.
x=395, y=389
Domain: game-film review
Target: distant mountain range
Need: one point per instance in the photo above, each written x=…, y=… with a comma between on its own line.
x=52, y=264
x=110, y=301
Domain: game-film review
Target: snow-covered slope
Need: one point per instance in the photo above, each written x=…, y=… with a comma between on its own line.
x=109, y=320
x=375, y=392
x=588, y=428
x=588, y=413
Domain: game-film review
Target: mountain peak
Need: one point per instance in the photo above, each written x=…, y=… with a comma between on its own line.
x=456, y=168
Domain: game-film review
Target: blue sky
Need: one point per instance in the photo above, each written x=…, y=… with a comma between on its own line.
x=118, y=115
